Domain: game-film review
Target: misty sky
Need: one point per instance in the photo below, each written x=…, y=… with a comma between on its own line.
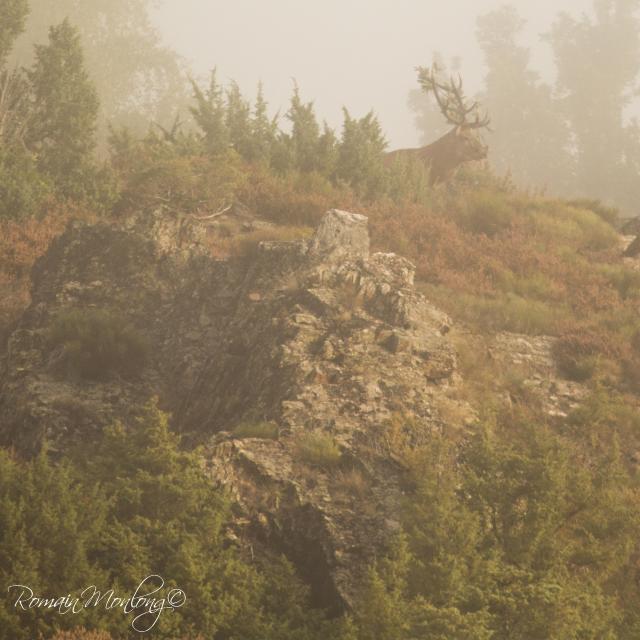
x=356, y=53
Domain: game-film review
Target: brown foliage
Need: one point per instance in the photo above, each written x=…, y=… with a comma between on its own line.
x=81, y=633
x=294, y=199
x=21, y=244
x=579, y=352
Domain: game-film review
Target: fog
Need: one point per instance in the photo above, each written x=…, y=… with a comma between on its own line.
x=559, y=80
x=355, y=53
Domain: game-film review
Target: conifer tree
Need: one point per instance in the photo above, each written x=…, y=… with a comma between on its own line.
x=210, y=115
x=327, y=151
x=360, y=153
x=62, y=128
x=238, y=121
x=305, y=133
x=263, y=130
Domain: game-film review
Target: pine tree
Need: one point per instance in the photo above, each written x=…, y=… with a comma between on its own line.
x=62, y=128
x=305, y=133
x=327, y=151
x=238, y=121
x=210, y=115
x=264, y=131
x=360, y=153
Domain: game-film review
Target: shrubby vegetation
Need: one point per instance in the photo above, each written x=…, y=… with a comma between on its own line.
x=506, y=537
x=132, y=504
x=96, y=344
x=318, y=449
x=263, y=429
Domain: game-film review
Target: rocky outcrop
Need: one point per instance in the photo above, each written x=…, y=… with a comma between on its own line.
x=318, y=337
x=531, y=357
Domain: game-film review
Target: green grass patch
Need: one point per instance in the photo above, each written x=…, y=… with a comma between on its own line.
x=507, y=312
x=264, y=430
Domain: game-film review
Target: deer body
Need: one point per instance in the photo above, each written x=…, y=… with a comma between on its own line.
x=446, y=154
x=460, y=144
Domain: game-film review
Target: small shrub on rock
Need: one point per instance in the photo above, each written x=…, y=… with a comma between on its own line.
x=264, y=430
x=353, y=482
x=318, y=449
x=95, y=344
x=577, y=355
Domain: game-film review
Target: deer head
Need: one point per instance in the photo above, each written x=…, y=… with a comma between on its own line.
x=463, y=142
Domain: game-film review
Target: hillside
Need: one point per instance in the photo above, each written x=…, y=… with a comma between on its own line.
x=343, y=402
x=300, y=388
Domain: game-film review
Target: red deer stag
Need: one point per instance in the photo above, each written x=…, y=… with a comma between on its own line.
x=459, y=145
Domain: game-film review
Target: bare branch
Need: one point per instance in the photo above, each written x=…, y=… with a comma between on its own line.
x=211, y=216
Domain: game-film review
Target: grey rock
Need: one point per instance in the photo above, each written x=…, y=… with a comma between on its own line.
x=340, y=235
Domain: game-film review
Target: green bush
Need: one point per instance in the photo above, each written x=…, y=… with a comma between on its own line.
x=96, y=344
x=487, y=212
x=578, y=355
x=562, y=223
x=318, y=449
x=626, y=281
x=134, y=503
x=264, y=430
x=23, y=190
x=608, y=214
x=508, y=312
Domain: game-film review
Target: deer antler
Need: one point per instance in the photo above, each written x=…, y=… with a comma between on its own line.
x=451, y=99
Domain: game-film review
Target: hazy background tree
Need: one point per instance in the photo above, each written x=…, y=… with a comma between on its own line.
x=21, y=187
x=13, y=90
x=137, y=78
x=529, y=137
x=13, y=14
x=238, y=120
x=597, y=61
